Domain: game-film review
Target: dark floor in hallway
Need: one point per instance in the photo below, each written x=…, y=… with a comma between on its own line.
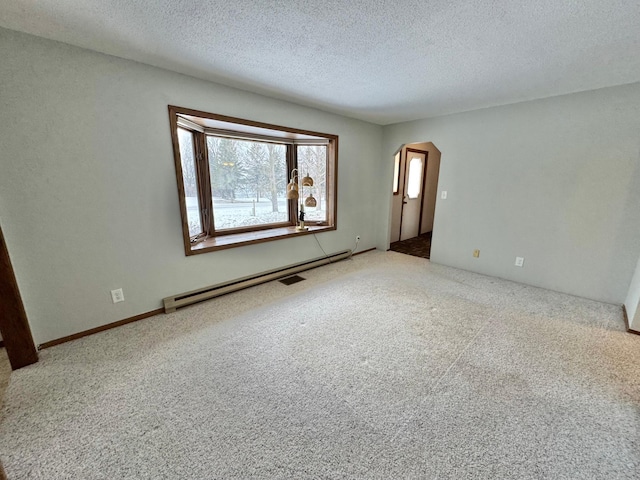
x=419, y=246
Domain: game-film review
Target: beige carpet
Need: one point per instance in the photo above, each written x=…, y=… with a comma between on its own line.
x=384, y=366
x=5, y=373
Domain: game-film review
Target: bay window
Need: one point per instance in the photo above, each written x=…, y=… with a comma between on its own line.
x=233, y=175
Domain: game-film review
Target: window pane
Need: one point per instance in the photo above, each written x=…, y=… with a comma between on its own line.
x=189, y=178
x=396, y=173
x=415, y=177
x=248, y=182
x=312, y=161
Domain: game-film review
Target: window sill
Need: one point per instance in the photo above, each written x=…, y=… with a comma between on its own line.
x=234, y=240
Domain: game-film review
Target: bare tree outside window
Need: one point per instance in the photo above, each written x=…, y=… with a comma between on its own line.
x=190, y=181
x=233, y=176
x=248, y=181
x=312, y=160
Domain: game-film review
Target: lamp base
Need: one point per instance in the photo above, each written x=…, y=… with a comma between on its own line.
x=301, y=228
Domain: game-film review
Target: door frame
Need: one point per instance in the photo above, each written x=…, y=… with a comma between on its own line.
x=404, y=184
x=14, y=326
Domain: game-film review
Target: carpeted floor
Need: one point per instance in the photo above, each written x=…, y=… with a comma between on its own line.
x=419, y=246
x=383, y=366
x=5, y=373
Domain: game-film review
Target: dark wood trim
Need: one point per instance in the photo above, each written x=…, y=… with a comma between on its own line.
x=102, y=328
x=364, y=251
x=331, y=188
x=201, y=153
x=404, y=183
x=292, y=163
x=424, y=181
x=14, y=325
x=251, y=123
x=204, y=182
x=626, y=321
x=224, y=242
x=173, y=122
x=332, y=180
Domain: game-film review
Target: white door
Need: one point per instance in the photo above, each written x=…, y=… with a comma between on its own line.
x=416, y=163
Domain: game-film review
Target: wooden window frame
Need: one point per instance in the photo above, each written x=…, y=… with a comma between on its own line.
x=329, y=186
x=212, y=240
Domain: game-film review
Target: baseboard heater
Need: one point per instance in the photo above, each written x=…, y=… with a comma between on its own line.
x=206, y=293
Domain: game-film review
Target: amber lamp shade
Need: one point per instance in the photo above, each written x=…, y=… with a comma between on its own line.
x=307, y=181
x=292, y=191
x=310, y=201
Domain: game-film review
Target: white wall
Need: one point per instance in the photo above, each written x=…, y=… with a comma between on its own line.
x=88, y=196
x=632, y=302
x=555, y=180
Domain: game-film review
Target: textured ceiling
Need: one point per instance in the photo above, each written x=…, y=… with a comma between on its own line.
x=383, y=61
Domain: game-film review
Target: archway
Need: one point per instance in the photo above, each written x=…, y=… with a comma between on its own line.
x=413, y=199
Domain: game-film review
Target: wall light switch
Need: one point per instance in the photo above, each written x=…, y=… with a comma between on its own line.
x=443, y=195
x=476, y=253
x=519, y=261
x=117, y=295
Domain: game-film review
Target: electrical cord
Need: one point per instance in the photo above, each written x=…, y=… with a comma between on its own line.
x=325, y=253
x=355, y=247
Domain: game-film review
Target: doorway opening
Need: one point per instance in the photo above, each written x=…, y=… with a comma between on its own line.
x=414, y=193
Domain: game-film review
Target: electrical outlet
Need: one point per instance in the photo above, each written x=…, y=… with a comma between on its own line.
x=117, y=295
x=519, y=261
x=476, y=253
x=357, y=238
x=443, y=195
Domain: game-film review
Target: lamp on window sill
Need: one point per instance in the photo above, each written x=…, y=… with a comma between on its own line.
x=293, y=193
x=310, y=201
x=292, y=186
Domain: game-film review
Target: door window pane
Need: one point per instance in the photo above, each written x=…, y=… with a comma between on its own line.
x=396, y=173
x=190, y=181
x=414, y=184
x=312, y=161
x=248, y=182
